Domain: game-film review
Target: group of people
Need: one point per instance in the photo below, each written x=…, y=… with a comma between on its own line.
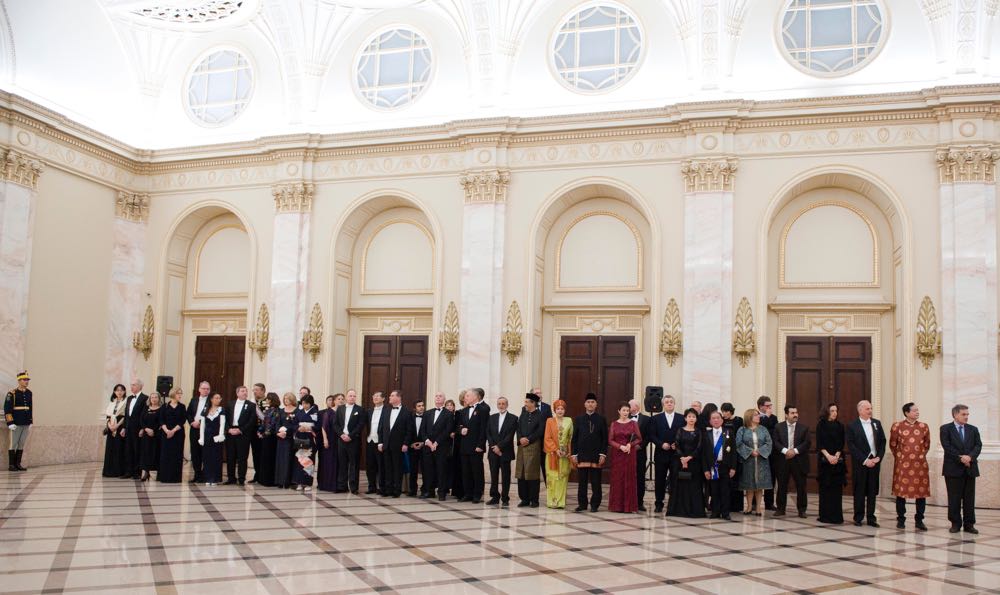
x=708, y=460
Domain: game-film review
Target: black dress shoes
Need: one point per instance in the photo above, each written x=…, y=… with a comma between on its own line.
x=874, y=524
x=920, y=526
x=412, y=494
x=954, y=529
x=505, y=503
x=659, y=508
x=726, y=517
x=423, y=496
x=580, y=509
x=477, y=501
x=241, y=482
x=857, y=523
x=779, y=513
x=534, y=504
x=230, y=482
x=371, y=491
x=522, y=503
x=593, y=510
x=442, y=498
x=802, y=514
x=971, y=529
x=492, y=502
x=900, y=524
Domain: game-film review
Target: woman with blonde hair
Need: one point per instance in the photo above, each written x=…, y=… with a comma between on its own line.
x=753, y=445
x=558, y=436
x=284, y=457
x=172, y=418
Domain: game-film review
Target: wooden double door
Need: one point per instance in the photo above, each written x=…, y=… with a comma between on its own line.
x=220, y=361
x=601, y=365
x=395, y=362
x=824, y=370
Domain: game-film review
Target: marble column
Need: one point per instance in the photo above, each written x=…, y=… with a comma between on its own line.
x=289, y=285
x=708, y=279
x=481, y=300
x=125, y=303
x=18, y=188
x=968, y=312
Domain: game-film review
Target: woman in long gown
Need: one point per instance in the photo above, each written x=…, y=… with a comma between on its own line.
x=212, y=438
x=558, y=436
x=268, y=429
x=284, y=455
x=454, y=467
x=753, y=446
x=625, y=441
x=687, y=499
x=114, y=434
x=304, y=445
x=149, y=437
x=172, y=419
x=831, y=473
x=327, y=480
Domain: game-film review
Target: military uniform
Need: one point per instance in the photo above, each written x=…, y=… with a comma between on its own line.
x=17, y=411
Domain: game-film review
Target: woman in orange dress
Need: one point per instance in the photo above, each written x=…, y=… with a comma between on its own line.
x=909, y=441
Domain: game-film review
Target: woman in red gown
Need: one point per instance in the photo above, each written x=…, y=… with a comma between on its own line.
x=625, y=441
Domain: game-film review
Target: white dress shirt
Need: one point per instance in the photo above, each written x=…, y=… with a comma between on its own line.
x=237, y=410
x=393, y=414
x=418, y=419
x=348, y=410
x=668, y=417
x=131, y=404
x=373, y=431
x=201, y=407
x=866, y=425
x=791, y=439
x=437, y=412
x=716, y=433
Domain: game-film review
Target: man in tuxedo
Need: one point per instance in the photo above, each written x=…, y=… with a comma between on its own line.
x=135, y=406
x=437, y=426
x=500, y=439
x=471, y=426
x=641, y=457
x=415, y=455
x=241, y=422
x=481, y=403
x=395, y=436
x=960, y=468
x=791, y=440
x=348, y=424
x=664, y=438
x=374, y=463
x=866, y=442
x=195, y=410
x=770, y=421
x=590, y=451
x=257, y=398
x=719, y=451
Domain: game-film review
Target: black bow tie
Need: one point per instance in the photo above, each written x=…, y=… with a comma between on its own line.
x=395, y=408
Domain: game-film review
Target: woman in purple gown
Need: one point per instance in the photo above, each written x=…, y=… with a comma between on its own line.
x=327, y=480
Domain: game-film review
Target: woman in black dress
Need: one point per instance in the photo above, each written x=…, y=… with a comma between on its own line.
x=268, y=429
x=304, y=446
x=327, y=479
x=212, y=439
x=114, y=432
x=832, y=470
x=686, y=498
x=284, y=455
x=172, y=418
x=149, y=437
x=455, y=458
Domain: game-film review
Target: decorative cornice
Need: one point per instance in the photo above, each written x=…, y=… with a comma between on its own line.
x=132, y=206
x=967, y=164
x=709, y=175
x=20, y=169
x=293, y=198
x=485, y=186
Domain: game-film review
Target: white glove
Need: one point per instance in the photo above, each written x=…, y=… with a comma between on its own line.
x=12, y=427
x=220, y=439
x=201, y=442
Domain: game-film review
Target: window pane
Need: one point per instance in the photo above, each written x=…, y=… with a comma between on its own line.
x=219, y=87
x=597, y=48
x=393, y=68
x=831, y=36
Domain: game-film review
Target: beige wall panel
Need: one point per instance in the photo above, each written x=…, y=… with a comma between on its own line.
x=829, y=245
x=599, y=251
x=223, y=265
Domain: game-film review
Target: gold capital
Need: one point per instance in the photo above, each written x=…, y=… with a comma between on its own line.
x=709, y=175
x=293, y=198
x=967, y=164
x=19, y=168
x=485, y=185
x=132, y=206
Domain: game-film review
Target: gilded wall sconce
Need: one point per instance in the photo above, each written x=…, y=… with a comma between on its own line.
x=448, y=341
x=928, y=334
x=312, y=337
x=744, y=338
x=510, y=340
x=261, y=333
x=671, y=337
x=142, y=340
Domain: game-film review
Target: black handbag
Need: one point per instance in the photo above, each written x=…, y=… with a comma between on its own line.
x=301, y=443
x=684, y=475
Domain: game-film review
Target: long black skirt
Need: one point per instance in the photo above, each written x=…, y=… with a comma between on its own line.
x=211, y=457
x=327, y=478
x=264, y=468
x=114, y=455
x=171, y=458
x=149, y=452
x=284, y=458
x=687, y=498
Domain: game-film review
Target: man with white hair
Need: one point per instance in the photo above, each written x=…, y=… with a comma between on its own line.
x=135, y=405
x=866, y=441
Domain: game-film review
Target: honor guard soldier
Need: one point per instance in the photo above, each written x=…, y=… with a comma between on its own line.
x=17, y=412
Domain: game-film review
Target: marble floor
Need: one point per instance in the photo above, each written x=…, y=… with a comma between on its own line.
x=67, y=529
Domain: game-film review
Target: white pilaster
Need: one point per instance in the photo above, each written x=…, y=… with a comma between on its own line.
x=125, y=298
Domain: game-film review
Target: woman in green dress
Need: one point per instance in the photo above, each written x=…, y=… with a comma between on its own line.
x=558, y=436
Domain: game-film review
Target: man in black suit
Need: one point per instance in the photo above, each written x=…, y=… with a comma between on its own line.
x=437, y=426
x=241, y=421
x=395, y=437
x=641, y=457
x=866, y=441
x=500, y=439
x=960, y=468
x=664, y=438
x=791, y=440
x=195, y=409
x=770, y=421
x=257, y=397
x=349, y=424
x=732, y=424
x=590, y=451
x=135, y=406
x=481, y=403
x=471, y=426
x=374, y=461
x=415, y=448
x=719, y=451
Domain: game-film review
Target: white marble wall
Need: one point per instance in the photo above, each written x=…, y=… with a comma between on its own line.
x=16, y=221
x=289, y=286
x=708, y=296
x=968, y=312
x=125, y=303
x=481, y=307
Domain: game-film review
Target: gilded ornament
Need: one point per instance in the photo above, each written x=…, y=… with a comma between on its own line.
x=312, y=337
x=671, y=337
x=928, y=334
x=261, y=333
x=744, y=338
x=142, y=340
x=448, y=341
x=510, y=340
